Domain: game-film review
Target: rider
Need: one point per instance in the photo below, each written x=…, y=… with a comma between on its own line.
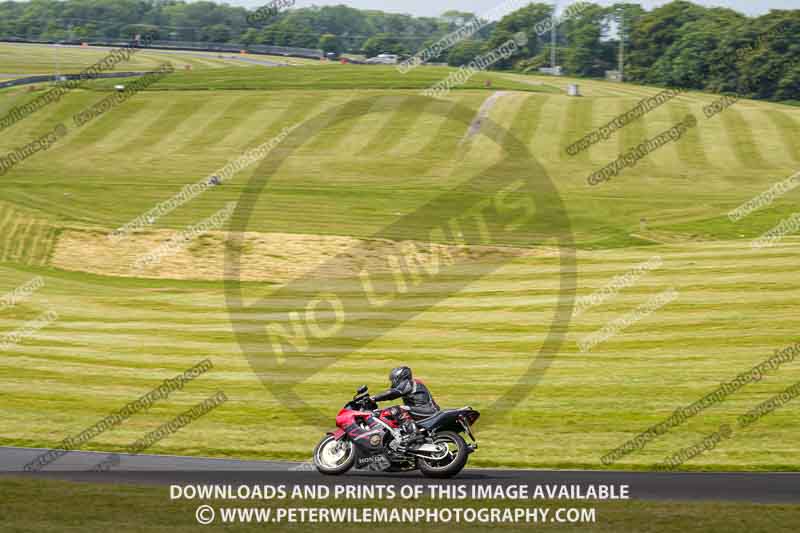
x=415, y=394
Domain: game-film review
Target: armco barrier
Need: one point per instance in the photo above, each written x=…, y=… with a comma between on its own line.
x=52, y=78
x=233, y=48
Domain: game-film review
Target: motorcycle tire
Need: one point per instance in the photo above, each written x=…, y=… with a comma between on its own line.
x=333, y=470
x=455, y=466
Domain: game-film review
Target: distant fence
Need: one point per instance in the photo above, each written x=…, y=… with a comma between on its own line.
x=264, y=49
x=236, y=48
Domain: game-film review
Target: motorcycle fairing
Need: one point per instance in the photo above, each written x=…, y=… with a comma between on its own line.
x=337, y=434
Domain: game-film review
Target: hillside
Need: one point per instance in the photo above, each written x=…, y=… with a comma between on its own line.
x=349, y=189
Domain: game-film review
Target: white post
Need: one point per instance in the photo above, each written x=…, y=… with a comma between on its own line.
x=553, y=34
x=622, y=47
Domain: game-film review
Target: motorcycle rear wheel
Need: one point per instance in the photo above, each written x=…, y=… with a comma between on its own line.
x=455, y=461
x=332, y=457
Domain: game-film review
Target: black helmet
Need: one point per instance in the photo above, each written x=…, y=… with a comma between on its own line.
x=399, y=375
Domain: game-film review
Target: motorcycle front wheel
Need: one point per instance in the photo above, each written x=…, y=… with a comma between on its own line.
x=453, y=461
x=334, y=457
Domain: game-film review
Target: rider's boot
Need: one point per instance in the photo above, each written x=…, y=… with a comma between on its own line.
x=412, y=433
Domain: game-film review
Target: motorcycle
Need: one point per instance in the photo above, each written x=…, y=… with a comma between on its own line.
x=371, y=438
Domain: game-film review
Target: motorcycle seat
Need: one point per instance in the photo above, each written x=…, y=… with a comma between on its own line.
x=421, y=416
x=443, y=416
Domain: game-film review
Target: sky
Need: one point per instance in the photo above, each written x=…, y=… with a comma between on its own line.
x=430, y=8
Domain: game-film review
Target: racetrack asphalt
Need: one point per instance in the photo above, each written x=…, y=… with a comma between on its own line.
x=766, y=487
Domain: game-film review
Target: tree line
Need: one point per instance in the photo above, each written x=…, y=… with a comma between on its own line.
x=679, y=44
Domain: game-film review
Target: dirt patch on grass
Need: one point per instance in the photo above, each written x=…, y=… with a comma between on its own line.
x=275, y=257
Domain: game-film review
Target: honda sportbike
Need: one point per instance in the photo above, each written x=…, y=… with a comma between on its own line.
x=376, y=439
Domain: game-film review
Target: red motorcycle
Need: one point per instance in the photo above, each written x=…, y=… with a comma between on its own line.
x=372, y=438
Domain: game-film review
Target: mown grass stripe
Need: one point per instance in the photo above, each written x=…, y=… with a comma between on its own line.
x=788, y=127
x=55, y=206
x=505, y=113
x=250, y=130
x=46, y=240
x=36, y=124
x=421, y=129
x=31, y=241
x=363, y=132
x=451, y=130
x=205, y=112
x=526, y=122
x=127, y=116
x=8, y=241
x=578, y=124
x=395, y=130
x=691, y=149
x=347, y=121
x=329, y=109
x=11, y=244
x=226, y=122
x=744, y=144
x=553, y=117
x=20, y=236
x=7, y=217
x=162, y=122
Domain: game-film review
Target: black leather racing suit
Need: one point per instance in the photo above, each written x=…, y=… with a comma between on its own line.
x=415, y=395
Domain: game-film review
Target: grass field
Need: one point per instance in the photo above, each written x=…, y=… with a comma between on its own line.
x=120, y=333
